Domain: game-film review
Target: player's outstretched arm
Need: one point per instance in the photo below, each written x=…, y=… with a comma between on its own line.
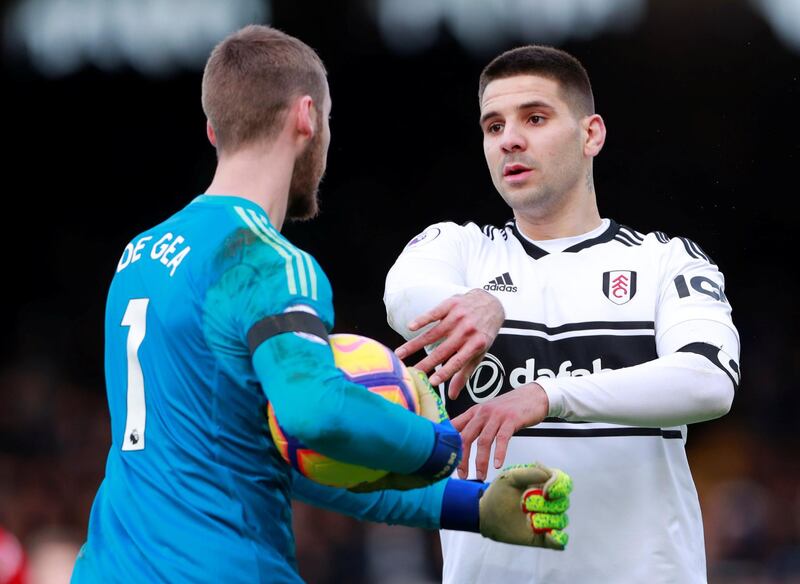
x=694, y=384
x=524, y=505
x=316, y=404
x=431, y=408
x=466, y=326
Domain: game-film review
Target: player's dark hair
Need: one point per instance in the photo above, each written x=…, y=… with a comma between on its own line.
x=547, y=62
x=250, y=80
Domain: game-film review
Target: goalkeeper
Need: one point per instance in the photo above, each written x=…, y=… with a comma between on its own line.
x=211, y=313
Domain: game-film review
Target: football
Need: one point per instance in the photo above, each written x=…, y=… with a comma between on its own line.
x=368, y=363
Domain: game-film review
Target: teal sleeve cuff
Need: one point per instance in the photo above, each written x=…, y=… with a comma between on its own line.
x=446, y=453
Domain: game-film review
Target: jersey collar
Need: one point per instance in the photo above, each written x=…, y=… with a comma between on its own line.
x=537, y=252
x=231, y=201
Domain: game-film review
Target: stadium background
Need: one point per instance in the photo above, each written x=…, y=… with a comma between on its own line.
x=105, y=136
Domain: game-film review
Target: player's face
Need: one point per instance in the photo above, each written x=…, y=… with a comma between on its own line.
x=533, y=142
x=309, y=169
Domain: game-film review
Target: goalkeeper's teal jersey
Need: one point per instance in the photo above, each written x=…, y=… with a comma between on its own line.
x=195, y=490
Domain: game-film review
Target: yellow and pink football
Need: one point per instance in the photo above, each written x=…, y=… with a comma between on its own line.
x=368, y=363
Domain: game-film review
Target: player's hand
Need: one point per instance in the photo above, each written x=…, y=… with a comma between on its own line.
x=468, y=324
x=526, y=505
x=497, y=420
x=432, y=408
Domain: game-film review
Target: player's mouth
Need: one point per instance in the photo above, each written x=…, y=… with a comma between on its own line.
x=516, y=173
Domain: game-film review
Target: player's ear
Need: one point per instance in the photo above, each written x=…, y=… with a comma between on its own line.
x=305, y=117
x=595, y=132
x=212, y=136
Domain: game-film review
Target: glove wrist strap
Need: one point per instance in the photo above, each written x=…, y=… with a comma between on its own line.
x=461, y=505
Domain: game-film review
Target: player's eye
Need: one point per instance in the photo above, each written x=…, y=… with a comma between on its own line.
x=536, y=119
x=494, y=128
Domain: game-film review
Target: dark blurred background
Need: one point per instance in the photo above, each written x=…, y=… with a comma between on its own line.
x=105, y=135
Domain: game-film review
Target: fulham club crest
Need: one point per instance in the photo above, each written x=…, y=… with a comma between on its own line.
x=619, y=286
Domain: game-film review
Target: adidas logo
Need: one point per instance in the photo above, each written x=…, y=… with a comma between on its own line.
x=501, y=284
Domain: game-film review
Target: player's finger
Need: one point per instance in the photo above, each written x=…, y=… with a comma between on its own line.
x=559, y=485
x=447, y=370
x=468, y=435
x=556, y=539
x=419, y=343
x=501, y=443
x=473, y=428
x=436, y=313
x=484, y=444
x=464, y=356
x=463, y=466
x=535, y=502
x=439, y=355
x=429, y=337
x=457, y=383
x=459, y=422
x=459, y=380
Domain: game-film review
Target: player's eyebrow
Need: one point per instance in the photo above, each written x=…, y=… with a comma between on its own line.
x=535, y=104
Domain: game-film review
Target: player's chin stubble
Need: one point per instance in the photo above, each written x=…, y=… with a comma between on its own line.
x=539, y=197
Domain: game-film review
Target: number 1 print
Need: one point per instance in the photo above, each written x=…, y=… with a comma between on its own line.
x=136, y=319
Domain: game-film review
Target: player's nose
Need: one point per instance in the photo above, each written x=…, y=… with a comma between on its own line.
x=512, y=140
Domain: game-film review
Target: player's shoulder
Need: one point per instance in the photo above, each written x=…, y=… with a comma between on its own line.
x=256, y=262
x=490, y=232
x=663, y=243
x=441, y=232
x=446, y=233
x=252, y=240
x=480, y=232
x=249, y=253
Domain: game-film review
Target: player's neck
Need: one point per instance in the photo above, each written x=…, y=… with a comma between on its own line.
x=577, y=215
x=259, y=174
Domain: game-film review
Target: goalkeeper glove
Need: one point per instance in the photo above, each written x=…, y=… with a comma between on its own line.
x=430, y=404
x=447, y=448
x=525, y=505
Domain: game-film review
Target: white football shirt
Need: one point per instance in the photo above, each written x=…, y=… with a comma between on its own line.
x=602, y=321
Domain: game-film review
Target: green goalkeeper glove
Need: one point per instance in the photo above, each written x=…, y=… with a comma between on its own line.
x=524, y=505
x=430, y=404
x=449, y=443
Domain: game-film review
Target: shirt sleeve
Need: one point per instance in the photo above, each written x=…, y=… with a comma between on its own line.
x=692, y=297
x=448, y=504
x=430, y=268
x=271, y=281
x=697, y=371
x=676, y=389
x=414, y=508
